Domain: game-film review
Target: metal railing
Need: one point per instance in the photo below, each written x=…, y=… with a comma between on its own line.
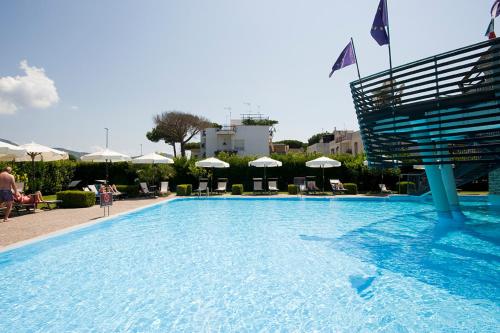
x=433, y=110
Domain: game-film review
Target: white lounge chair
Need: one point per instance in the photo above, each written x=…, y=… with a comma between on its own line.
x=164, y=188
x=272, y=185
x=300, y=182
x=257, y=185
x=145, y=190
x=202, y=186
x=221, y=185
x=383, y=189
x=73, y=184
x=337, y=186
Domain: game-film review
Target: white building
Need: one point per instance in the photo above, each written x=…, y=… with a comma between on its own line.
x=240, y=139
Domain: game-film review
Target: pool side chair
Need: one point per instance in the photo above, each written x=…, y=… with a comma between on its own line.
x=202, y=187
x=337, y=186
x=257, y=186
x=93, y=188
x=73, y=184
x=383, y=189
x=300, y=182
x=20, y=187
x=144, y=190
x=221, y=186
x=311, y=187
x=164, y=188
x=116, y=194
x=272, y=185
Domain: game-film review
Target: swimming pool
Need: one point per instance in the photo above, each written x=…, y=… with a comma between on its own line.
x=250, y=265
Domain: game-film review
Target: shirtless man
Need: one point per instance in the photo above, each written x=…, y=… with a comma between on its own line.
x=7, y=184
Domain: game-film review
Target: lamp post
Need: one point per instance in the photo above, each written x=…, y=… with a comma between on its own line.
x=106, y=161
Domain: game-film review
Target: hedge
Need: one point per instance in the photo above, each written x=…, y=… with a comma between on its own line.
x=402, y=187
x=76, y=199
x=130, y=191
x=237, y=189
x=293, y=189
x=351, y=188
x=184, y=189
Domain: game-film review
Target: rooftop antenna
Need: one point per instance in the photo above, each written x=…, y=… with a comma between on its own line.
x=229, y=109
x=249, y=106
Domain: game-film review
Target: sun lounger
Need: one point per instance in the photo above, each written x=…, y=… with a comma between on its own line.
x=300, y=182
x=383, y=189
x=164, y=188
x=257, y=185
x=73, y=184
x=221, y=185
x=337, y=186
x=93, y=188
x=272, y=185
x=311, y=186
x=202, y=186
x=144, y=190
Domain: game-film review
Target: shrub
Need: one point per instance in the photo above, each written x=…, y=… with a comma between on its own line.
x=237, y=189
x=184, y=189
x=129, y=190
x=351, y=188
x=76, y=199
x=293, y=189
x=402, y=187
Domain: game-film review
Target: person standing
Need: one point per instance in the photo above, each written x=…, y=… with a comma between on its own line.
x=7, y=185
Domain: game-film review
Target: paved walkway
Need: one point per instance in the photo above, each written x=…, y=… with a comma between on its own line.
x=30, y=225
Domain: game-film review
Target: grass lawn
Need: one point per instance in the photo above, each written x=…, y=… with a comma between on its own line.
x=473, y=193
x=49, y=197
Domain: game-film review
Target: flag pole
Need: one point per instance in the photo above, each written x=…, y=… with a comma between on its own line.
x=357, y=67
x=390, y=69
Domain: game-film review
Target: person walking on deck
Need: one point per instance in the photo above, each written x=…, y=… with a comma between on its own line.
x=7, y=185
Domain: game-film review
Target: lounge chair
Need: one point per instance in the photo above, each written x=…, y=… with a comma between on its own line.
x=257, y=185
x=221, y=185
x=337, y=186
x=164, y=188
x=383, y=189
x=20, y=187
x=116, y=193
x=202, y=186
x=144, y=190
x=300, y=182
x=73, y=184
x=311, y=186
x=272, y=185
x=93, y=188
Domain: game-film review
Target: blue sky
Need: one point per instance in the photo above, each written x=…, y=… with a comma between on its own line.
x=117, y=63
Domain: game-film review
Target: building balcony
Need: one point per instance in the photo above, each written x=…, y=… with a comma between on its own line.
x=442, y=109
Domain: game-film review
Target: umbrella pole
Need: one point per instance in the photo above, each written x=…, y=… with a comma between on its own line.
x=323, y=184
x=107, y=171
x=34, y=176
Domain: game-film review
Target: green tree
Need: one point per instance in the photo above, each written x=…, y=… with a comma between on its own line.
x=316, y=137
x=177, y=127
x=296, y=144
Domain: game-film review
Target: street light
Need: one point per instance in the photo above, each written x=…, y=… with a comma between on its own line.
x=107, y=135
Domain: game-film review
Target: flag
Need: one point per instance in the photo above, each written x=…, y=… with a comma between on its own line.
x=380, y=22
x=495, y=9
x=346, y=58
x=490, y=32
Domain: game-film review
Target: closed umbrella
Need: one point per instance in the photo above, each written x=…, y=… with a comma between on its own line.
x=212, y=163
x=105, y=156
x=10, y=152
x=323, y=162
x=265, y=162
x=37, y=152
x=152, y=158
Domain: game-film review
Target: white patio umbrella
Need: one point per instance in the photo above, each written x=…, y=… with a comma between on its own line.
x=323, y=162
x=38, y=152
x=265, y=162
x=153, y=158
x=105, y=156
x=212, y=162
x=10, y=152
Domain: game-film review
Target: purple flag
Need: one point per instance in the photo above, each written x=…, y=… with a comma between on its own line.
x=495, y=9
x=346, y=58
x=381, y=21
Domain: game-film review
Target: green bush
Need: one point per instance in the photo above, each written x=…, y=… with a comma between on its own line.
x=184, y=189
x=237, y=189
x=76, y=199
x=402, y=187
x=130, y=191
x=351, y=188
x=293, y=189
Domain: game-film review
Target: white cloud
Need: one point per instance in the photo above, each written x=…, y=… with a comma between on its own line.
x=74, y=107
x=32, y=90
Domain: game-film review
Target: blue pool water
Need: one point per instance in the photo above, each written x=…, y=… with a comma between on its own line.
x=264, y=265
